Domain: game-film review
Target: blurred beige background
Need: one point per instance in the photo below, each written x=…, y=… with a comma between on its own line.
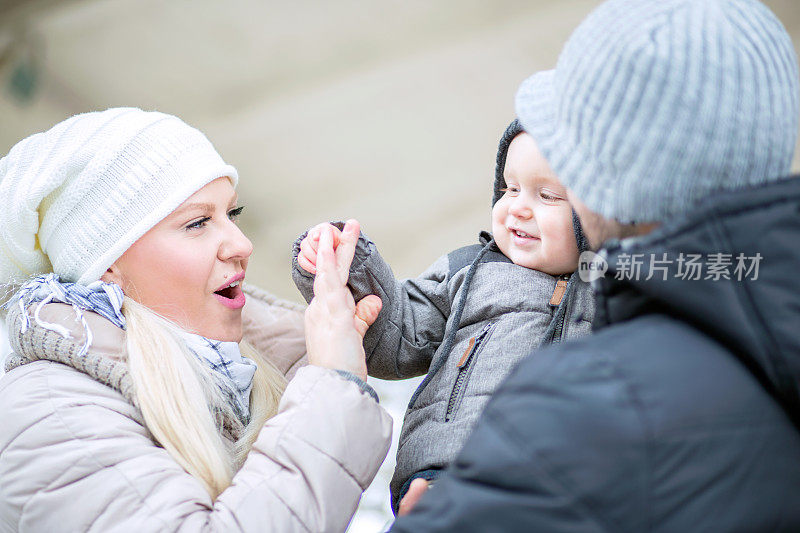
x=388, y=111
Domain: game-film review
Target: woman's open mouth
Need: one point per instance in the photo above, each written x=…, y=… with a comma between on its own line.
x=231, y=295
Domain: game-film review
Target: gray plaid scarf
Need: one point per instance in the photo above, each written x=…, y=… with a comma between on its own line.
x=232, y=372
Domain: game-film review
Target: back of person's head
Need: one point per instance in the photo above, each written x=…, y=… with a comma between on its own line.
x=75, y=198
x=655, y=105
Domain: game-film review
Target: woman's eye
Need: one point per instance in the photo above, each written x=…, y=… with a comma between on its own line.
x=197, y=224
x=234, y=213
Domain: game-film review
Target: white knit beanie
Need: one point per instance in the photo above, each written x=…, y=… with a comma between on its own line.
x=655, y=105
x=75, y=197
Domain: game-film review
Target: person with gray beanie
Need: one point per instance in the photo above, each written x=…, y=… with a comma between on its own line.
x=673, y=124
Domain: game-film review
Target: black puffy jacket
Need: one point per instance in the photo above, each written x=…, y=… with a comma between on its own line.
x=680, y=412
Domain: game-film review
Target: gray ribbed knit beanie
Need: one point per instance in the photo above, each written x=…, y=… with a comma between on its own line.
x=655, y=105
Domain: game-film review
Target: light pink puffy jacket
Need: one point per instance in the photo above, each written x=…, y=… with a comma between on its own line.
x=76, y=456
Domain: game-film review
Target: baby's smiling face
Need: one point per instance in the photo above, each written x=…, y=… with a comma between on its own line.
x=532, y=222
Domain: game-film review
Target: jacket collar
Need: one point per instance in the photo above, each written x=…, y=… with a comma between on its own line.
x=745, y=292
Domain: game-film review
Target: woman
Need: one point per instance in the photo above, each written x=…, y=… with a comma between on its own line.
x=128, y=403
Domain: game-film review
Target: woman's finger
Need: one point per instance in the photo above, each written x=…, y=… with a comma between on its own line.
x=327, y=279
x=347, y=248
x=329, y=288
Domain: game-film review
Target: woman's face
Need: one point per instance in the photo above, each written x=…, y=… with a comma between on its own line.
x=183, y=267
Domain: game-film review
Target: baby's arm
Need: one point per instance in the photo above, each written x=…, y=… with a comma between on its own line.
x=409, y=328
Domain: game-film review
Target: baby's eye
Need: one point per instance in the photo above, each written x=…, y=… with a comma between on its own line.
x=511, y=189
x=199, y=223
x=234, y=213
x=546, y=195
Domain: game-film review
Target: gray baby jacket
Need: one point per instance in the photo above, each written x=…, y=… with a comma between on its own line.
x=507, y=310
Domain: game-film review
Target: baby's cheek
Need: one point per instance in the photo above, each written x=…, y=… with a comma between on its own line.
x=567, y=247
x=501, y=240
x=570, y=254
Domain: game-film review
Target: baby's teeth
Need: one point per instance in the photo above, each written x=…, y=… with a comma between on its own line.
x=234, y=284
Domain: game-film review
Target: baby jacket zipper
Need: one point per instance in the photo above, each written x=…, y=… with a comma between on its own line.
x=555, y=300
x=463, y=366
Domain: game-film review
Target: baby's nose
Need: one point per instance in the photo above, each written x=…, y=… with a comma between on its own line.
x=520, y=209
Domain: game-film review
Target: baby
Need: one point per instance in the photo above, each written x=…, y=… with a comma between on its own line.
x=469, y=318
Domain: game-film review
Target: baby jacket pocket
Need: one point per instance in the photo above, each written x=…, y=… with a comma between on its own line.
x=465, y=365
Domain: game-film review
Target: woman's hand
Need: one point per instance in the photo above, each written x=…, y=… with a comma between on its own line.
x=335, y=325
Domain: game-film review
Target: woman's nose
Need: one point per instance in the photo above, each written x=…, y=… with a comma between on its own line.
x=235, y=244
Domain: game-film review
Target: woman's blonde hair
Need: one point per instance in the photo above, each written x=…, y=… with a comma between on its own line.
x=182, y=405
